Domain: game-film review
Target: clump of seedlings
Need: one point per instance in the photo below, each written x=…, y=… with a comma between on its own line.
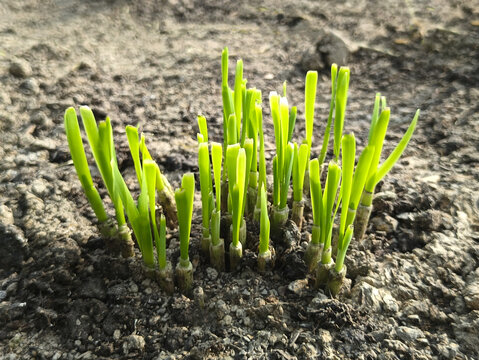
x=100, y=138
x=234, y=192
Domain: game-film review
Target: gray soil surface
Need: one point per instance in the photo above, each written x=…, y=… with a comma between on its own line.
x=414, y=279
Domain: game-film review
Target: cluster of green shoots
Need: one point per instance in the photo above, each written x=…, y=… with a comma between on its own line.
x=233, y=183
x=348, y=183
x=148, y=224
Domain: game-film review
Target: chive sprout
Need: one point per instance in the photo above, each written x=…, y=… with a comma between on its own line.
x=163, y=187
x=184, y=203
x=164, y=274
x=329, y=197
x=341, y=100
x=300, y=162
x=217, y=246
x=262, y=162
x=100, y=138
x=377, y=133
x=327, y=131
x=282, y=161
x=77, y=152
x=236, y=158
x=205, y=174
x=265, y=257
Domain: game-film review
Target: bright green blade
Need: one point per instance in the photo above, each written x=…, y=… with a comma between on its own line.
x=288, y=167
x=238, y=94
x=77, y=152
x=316, y=191
x=150, y=178
x=203, y=127
x=161, y=246
x=397, y=152
x=100, y=153
x=309, y=102
x=184, y=204
x=375, y=116
x=134, y=144
x=292, y=121
x=348, y=158
x=327, y=131
x=264, y=224
x=360, y=176
x=205, y=173
x=377, y=140
x=217, y=159
x=341, y=100
x=232, y=134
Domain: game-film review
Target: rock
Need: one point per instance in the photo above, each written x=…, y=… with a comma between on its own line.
x=471, y=294
x=211, y=273
x=385, y=223
x=39, y=188
x=330, y=48
x=39, y=118
x=14, y=247
x=6, y=215
x=30, y=86
x=4, y=98
x=367, y=296
x=409, y=334
x=227, y=320
x=298, y=286
x=20, y=68
x=3, y=295
x=133, y=343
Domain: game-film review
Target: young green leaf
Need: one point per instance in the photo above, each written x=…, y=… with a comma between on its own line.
x=397, y=152
x=341, y=100
x=184, y=203
x=238, y=95
x=150, y=175
x=316, y=191
x=348, y=157
x=264, y=224
x=205, y=173
x=217, y=159
x=203, y=127
x=81, y=165
x=309, y=101
x=299, y=168
x=327, y=131
x=343, y=248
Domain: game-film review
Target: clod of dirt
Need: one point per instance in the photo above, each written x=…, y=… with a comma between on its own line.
x=20, y=68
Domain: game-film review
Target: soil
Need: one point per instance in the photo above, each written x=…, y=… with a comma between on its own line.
x=414, y=279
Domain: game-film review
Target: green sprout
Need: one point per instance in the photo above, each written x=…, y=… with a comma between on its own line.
x=329, y=197
x=379, y=124
x=236, y=158
x=100, y=138
x=262, y=162
x=217, y=246
x=338, y=273
x=205, y=177
x=253, y=132
x=77, y=151
x=300, y=162
x=184, y=203
x=327, y=131
x=322, y=203
x=282, y=162
x=341, y=100
x=163, y=187
x=265, y=257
